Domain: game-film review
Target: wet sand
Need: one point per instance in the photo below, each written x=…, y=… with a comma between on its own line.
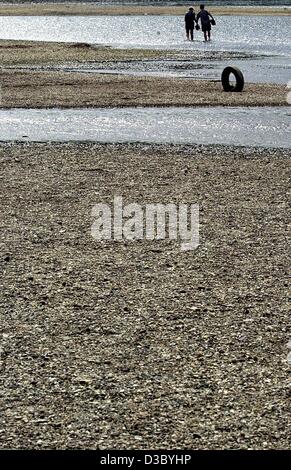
x=14, y=52
x=27, y=81
x=89, y=9
x=127, y=345
x=77, y=90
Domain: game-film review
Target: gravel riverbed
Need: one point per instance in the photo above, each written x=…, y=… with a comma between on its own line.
x=127, y=345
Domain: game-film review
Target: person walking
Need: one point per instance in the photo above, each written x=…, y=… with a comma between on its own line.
x=204, y=17
x=190, y=19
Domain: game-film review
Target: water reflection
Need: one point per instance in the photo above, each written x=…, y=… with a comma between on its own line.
x=260, y=34
x=239, y=126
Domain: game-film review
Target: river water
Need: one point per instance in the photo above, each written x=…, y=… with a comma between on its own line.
x=264, y=41
x=253, y=34
x=268, y=127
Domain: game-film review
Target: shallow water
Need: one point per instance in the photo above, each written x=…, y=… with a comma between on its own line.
x=263, y=35
x=267, y=127
x=267, y=70
x=254, y=34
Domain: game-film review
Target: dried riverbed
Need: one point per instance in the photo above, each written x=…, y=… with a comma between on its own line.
x=27, y=89
x=128, y=345
x=137, y=344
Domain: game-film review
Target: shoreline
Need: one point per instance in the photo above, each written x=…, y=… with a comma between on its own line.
x=95, y=10
x=15, y=52
x=25, y=85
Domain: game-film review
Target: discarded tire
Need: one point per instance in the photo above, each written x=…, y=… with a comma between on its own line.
x=227, y=86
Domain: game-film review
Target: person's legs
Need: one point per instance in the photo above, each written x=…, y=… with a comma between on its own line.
x=209, y=35
x=187, y=32
x=192, y=35
x=204, y=29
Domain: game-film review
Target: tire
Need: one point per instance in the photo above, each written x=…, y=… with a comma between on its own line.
x=239, y=86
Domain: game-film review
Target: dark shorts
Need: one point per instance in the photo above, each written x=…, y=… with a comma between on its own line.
x=206, y=27
x=189, y=27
